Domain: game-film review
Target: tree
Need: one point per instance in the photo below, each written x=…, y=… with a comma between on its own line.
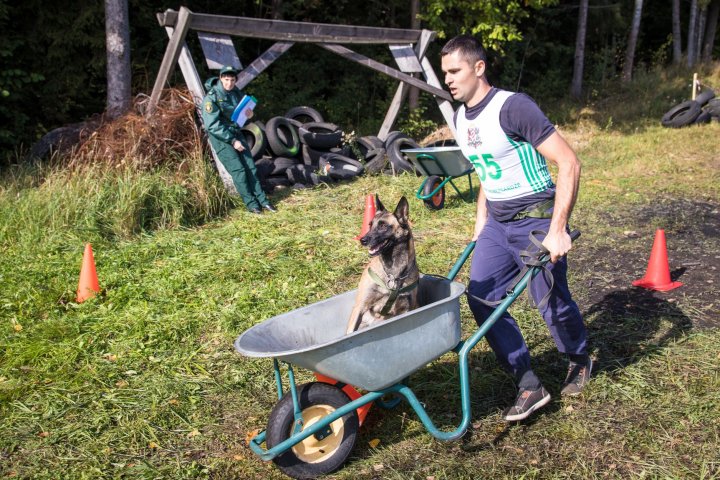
x=495, y=22
x=578, y=65
x=692, y=28
x=676, y=33
x=117, y=38
x=710, y=30
x=632, y=42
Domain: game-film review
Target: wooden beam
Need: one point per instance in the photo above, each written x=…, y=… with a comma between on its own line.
x=195, y=85
x=445, y=104
x=382, y=68
x=172, y=52
x=403, y=88
x=293, y=31
x=261, y=63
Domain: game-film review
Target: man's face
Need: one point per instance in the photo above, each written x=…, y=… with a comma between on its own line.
x=462, y=79
x=228, y=81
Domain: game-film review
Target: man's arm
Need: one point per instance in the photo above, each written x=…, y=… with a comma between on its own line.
x=481, y=213
x=557, y=150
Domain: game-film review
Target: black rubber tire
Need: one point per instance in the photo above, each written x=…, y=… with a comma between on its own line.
x=274, y=182
x=681, y=115
x=392, y=136
x=376, y=160
x=264, y=167
x=311, y=157
x=340, y=167
x=319, y=179
x=713, y=106
x=368, y=143
x=256, y=139
x=398, y=160
x=320, y=135
x=304, y=114
x=298, y=174
x=280, y=164
x=704, y=117
x=437, y=201
x=317, y=396
x=287, y=145
x=705, y=96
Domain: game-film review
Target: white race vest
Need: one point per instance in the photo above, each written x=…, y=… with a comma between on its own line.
x=507, y=169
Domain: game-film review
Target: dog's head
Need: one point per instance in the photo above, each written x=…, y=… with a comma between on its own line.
x=387, y=229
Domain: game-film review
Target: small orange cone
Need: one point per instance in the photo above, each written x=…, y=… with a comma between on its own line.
x=657, y=276
x=367, y=216
x=88, y=285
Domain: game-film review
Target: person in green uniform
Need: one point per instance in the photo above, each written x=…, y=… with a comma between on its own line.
x=226, y=139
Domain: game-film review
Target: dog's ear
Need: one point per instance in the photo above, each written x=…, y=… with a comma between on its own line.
x=401, y=211
x=379, y=207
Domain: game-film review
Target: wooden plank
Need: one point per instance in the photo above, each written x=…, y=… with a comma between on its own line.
x=402, y=90
x=195, y=85
x=382, y=68
x=293, y=31
x=445, y=104
x=404, y=56
x=172, y=52
x=219, y=51
x=261, y=63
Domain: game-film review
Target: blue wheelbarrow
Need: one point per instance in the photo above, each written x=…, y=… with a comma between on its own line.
x=440, y=166
x=313, y=427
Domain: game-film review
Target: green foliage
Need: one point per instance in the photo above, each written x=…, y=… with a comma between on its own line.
x=494, y=22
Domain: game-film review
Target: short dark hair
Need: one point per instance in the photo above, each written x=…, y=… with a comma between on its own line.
x=470, y=49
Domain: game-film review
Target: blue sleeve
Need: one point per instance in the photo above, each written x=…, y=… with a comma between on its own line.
x=522, y=120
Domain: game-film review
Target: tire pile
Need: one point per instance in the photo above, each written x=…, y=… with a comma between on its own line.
x=301, y=150
x=703, y=109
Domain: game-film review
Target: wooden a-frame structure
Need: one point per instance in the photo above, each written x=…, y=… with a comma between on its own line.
x=408, y=48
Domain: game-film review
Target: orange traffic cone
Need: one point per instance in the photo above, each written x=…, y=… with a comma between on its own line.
x=367, y=216
x=88, y=285
x=351, y=392
x=657, y=276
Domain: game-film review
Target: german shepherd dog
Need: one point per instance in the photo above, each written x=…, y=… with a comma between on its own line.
x=388, y=286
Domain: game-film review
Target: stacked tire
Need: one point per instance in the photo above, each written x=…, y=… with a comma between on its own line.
x=300, y=149
x=703, y=109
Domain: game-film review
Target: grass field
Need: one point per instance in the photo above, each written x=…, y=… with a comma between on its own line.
x=143, y=381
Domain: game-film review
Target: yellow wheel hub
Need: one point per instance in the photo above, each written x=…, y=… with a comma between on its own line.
x=312, y=450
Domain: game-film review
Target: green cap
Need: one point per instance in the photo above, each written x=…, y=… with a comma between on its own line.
x=228, y=69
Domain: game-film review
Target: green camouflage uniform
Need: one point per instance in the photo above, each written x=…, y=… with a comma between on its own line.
x=218, y=106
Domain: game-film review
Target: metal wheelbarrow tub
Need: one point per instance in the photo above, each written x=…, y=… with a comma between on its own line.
x=313, y=337
x=443, y=161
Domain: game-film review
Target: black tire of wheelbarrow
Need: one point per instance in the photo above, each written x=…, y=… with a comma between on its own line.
x=437, y=201
x=281, y=421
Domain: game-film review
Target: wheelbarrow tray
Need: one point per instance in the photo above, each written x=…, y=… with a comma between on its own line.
x=374, y=358
x=451, y=158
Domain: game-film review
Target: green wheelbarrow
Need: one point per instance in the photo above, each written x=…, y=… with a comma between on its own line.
x=313, y=427
x=440, y=166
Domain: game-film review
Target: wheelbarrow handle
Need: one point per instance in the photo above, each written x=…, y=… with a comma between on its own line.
x=461, y=261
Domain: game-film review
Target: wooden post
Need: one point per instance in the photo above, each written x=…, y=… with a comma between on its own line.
x=172, y=53
x=694, y=86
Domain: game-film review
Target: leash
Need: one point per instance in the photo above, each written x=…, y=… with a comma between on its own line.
x=531, y=259
x=394, y=292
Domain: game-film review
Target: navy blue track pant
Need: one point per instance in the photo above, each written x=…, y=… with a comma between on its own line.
x=495, y=264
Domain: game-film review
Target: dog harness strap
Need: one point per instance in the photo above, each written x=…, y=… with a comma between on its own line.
x=394, y=292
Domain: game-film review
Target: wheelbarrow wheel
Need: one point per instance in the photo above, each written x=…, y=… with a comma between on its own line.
x=323, y=452
x=437, y=201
